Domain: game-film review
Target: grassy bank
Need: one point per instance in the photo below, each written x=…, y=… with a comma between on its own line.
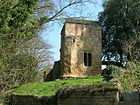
x=50, y=88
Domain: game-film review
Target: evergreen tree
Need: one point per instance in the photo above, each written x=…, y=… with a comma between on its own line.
x=121, y=29
x=18, y=24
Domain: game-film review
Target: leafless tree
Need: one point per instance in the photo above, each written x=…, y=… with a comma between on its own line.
x=21, y=60
x=58, y=9
x=25, y=65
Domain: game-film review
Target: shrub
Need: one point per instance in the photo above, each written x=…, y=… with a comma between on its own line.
x=129, y=76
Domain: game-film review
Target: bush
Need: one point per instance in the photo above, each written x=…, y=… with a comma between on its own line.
x=129, y=76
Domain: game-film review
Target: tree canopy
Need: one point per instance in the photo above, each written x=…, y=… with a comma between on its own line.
x=18, y=24
x=23, y=53
x=121, y=29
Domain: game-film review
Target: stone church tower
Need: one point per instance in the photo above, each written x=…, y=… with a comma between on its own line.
x=80, y=49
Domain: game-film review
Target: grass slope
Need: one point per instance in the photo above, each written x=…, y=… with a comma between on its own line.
x=50, y=88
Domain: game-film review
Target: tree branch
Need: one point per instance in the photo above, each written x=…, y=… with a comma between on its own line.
x=46, y=19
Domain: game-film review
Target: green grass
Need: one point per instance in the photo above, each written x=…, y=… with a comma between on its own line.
x=50, y=88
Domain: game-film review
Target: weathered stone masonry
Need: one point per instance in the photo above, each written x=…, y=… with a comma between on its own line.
x=80, y=53
x=99, y=94
x=80, y=48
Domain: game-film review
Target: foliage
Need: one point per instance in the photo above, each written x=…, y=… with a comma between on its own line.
x=17, y=19
x=129, y=76
x=18, y=25
x=111, y=72
x=22, y=54
x=121, y=29
x=50, y=88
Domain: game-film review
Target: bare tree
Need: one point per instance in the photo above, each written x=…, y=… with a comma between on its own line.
x=23, y=54
x=57, y=9
x=25, y=65
x=41, y=50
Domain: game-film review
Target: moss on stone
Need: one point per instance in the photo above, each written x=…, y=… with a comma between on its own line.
x=65, y=92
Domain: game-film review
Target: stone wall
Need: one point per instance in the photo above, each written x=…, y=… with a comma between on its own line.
x=101, y=98
x=105, y=94
x=54, y=73
x=128, y=103
x=79, y=37
x=99, y=94
x=32, y=100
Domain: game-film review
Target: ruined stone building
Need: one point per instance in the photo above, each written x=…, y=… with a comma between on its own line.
x=80, y=53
